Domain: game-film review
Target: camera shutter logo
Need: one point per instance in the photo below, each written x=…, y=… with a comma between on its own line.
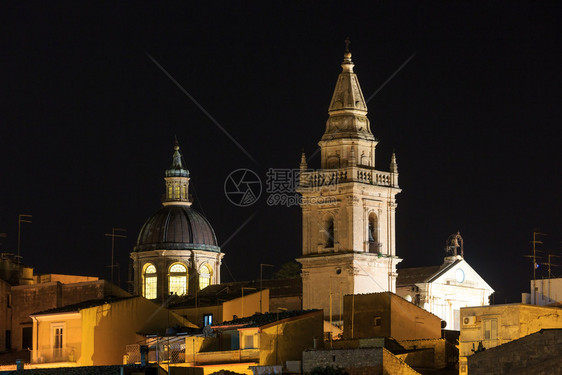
x=242, y=187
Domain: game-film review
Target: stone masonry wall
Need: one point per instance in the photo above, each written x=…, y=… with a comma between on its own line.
x=440, y=359
x=355, y=361
x=540, y=351
x=395, y=366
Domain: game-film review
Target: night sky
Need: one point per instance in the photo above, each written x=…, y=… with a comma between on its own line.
x=87, y=123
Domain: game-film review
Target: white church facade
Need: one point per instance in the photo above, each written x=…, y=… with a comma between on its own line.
x=443, y=290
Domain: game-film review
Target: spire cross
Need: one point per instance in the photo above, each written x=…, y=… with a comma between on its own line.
x=347, y=43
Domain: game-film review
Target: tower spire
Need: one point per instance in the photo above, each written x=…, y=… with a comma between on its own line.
x=348, y=109
x=303, y=165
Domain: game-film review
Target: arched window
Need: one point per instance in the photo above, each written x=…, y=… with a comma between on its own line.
x=373, y=234
x=205, y=274
x=177, y=192
x=177, y=279
x=328, y=229
x=170, y=191
x=149, y=281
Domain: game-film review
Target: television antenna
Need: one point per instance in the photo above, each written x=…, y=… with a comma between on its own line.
x=114, y=235
x=535, y=264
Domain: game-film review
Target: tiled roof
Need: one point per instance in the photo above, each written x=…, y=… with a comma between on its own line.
x=259, y=320
x=409, y=276
x=82, y=305
x=417, y=275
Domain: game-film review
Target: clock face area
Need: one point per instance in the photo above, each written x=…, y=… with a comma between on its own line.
x=459, y=275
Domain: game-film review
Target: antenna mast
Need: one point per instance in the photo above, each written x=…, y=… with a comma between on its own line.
x=535, y=264
x=113, y=235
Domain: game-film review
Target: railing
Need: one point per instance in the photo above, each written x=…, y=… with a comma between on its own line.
x=375, y=247
x=174, y=352
x=228, y=356
x=57, y=355
x=332, y=177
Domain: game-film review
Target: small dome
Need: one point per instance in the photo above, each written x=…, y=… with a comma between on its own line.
x=177, y=227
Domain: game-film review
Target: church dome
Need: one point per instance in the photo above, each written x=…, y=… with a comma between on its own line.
x=177, y=227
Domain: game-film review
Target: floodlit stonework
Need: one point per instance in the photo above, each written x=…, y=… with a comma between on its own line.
x=177, y=252
x=348, y=207
x=444, y=290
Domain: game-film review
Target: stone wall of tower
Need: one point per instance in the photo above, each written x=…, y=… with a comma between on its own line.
x=348, y=207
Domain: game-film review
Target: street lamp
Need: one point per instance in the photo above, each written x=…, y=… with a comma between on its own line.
x=22, y=218
x=277, y=335
x=261, y=279
x=247, y=288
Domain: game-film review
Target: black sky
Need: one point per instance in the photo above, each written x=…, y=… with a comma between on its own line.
x=87, y=122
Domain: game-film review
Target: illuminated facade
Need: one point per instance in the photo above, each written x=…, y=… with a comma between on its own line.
x=348, y=207
x=443, y=290
x=177, y=251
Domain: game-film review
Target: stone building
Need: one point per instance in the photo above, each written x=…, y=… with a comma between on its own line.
x=177, y=252
x=544, y=292
x=539, y=353
x=443, y=290
x=96, y=332
x=44, y=292
x=348, y=207
x=488, y=327
x=387, y=315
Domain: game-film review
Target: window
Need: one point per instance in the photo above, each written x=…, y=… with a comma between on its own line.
x=490, y=329
x=177, y=192
x=377, y=321
x=150, y=282
x=58, y=341
x=328, y=231
x=8, y=339
x=204, y=276
x=373, y=234
x=185, y=191
x=177, y=279
x=373, y=228
x=249, y=342
x=170, y=191
x=207, y=319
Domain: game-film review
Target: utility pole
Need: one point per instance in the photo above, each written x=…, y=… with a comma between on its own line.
x=535, y=265
x=22, y=218
x=261, y=280
x=113, y=235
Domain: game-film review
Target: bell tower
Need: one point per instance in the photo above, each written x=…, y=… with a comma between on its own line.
x=348, y=207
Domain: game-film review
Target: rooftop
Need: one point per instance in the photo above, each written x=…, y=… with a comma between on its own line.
x=216, y=294
x=260, y=320
x=417, y=275
x=82, y=305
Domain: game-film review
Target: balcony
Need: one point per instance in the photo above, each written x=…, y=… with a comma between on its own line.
x=52, y=355
x=228, y=356
x=327, y=178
